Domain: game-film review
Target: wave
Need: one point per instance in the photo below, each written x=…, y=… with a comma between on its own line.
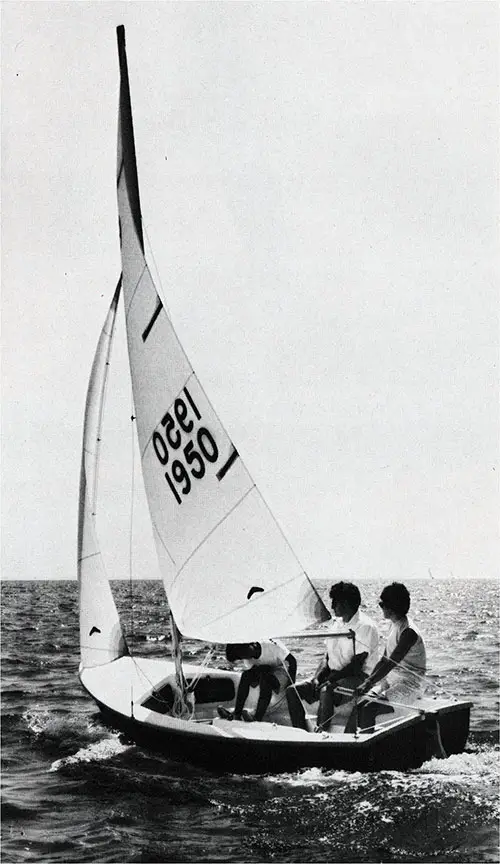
x=478, y=767
x=60, y=734
x=99, y=751
x=14, y=692
x=111, y=767
x=320, y=777
x=15, y=811
x=482, y=737
x=481, y=765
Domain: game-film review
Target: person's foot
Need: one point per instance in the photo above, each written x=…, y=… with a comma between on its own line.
x=247, y=717
x=225, y=713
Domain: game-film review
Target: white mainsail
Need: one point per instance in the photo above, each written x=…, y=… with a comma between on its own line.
x=229, y=573
x=101, y=637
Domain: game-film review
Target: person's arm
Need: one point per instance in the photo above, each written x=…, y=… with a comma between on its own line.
x=371, y=643
x=354, y=667
x=387, y=664
x=322, y=671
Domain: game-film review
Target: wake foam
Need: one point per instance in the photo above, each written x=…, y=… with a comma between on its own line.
x=464, y=768
x=310, y=777
x=63, y=728
x=470, y=769
x=99, y=751
x=458, y=764
x=36, y=721
x=74, y=739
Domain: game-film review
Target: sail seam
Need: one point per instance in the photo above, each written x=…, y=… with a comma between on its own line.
x=134, y=292
x=120, y=170
x=89, y=647
x=292, y=551
x=215, y=528
x=162, y=542
x=267, y=594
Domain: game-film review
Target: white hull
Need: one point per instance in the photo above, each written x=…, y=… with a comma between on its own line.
x=134, y=696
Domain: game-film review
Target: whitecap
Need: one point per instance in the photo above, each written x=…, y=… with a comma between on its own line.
x=36, y=721
x=460, y=765
x=54, y=726
x=320, y=777
x=99, y=751
x=365, y=806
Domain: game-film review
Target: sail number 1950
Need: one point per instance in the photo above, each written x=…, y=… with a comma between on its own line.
x=201, y=447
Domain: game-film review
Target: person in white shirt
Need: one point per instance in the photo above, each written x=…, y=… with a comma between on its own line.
x=345, y=663
x=269, y=666
x=399, y=675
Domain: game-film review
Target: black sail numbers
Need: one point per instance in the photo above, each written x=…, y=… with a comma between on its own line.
x=183, y=447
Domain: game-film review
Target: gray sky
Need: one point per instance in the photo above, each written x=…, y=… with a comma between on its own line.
x=320, y=192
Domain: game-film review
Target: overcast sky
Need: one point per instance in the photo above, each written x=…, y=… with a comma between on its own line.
x=319, y=189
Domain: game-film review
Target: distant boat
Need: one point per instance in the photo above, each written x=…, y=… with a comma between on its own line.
x=229, y=573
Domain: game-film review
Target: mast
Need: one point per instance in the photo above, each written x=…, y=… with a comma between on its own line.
x=134, y=263
x=179, y=672
x=128, y=160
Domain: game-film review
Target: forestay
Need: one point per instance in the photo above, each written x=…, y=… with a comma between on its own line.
x=229, y=573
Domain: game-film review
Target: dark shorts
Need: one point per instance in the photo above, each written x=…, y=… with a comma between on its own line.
x=256, y=673
x=307, y=691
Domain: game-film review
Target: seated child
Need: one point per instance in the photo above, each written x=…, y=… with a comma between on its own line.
x=269, y=665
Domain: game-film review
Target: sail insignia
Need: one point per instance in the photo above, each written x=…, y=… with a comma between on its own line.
x=253, y=590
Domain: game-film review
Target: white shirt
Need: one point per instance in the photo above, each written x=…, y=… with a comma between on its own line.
x=413, y=665
x=273, y=652
x=340, y=652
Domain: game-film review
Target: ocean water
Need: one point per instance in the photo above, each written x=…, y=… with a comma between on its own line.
x=74, y=790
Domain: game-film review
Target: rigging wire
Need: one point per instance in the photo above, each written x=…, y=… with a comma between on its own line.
x=157, y=278
x=131, y=545
x=100, y=420
x=202, y=669
x=103, y=400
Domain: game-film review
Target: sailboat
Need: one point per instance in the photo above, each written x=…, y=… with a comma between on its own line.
x=229, y=573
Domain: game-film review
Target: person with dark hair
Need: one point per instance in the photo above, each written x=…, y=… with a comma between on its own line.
x=399, y=675
x=345, y=664
x=268, y=665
